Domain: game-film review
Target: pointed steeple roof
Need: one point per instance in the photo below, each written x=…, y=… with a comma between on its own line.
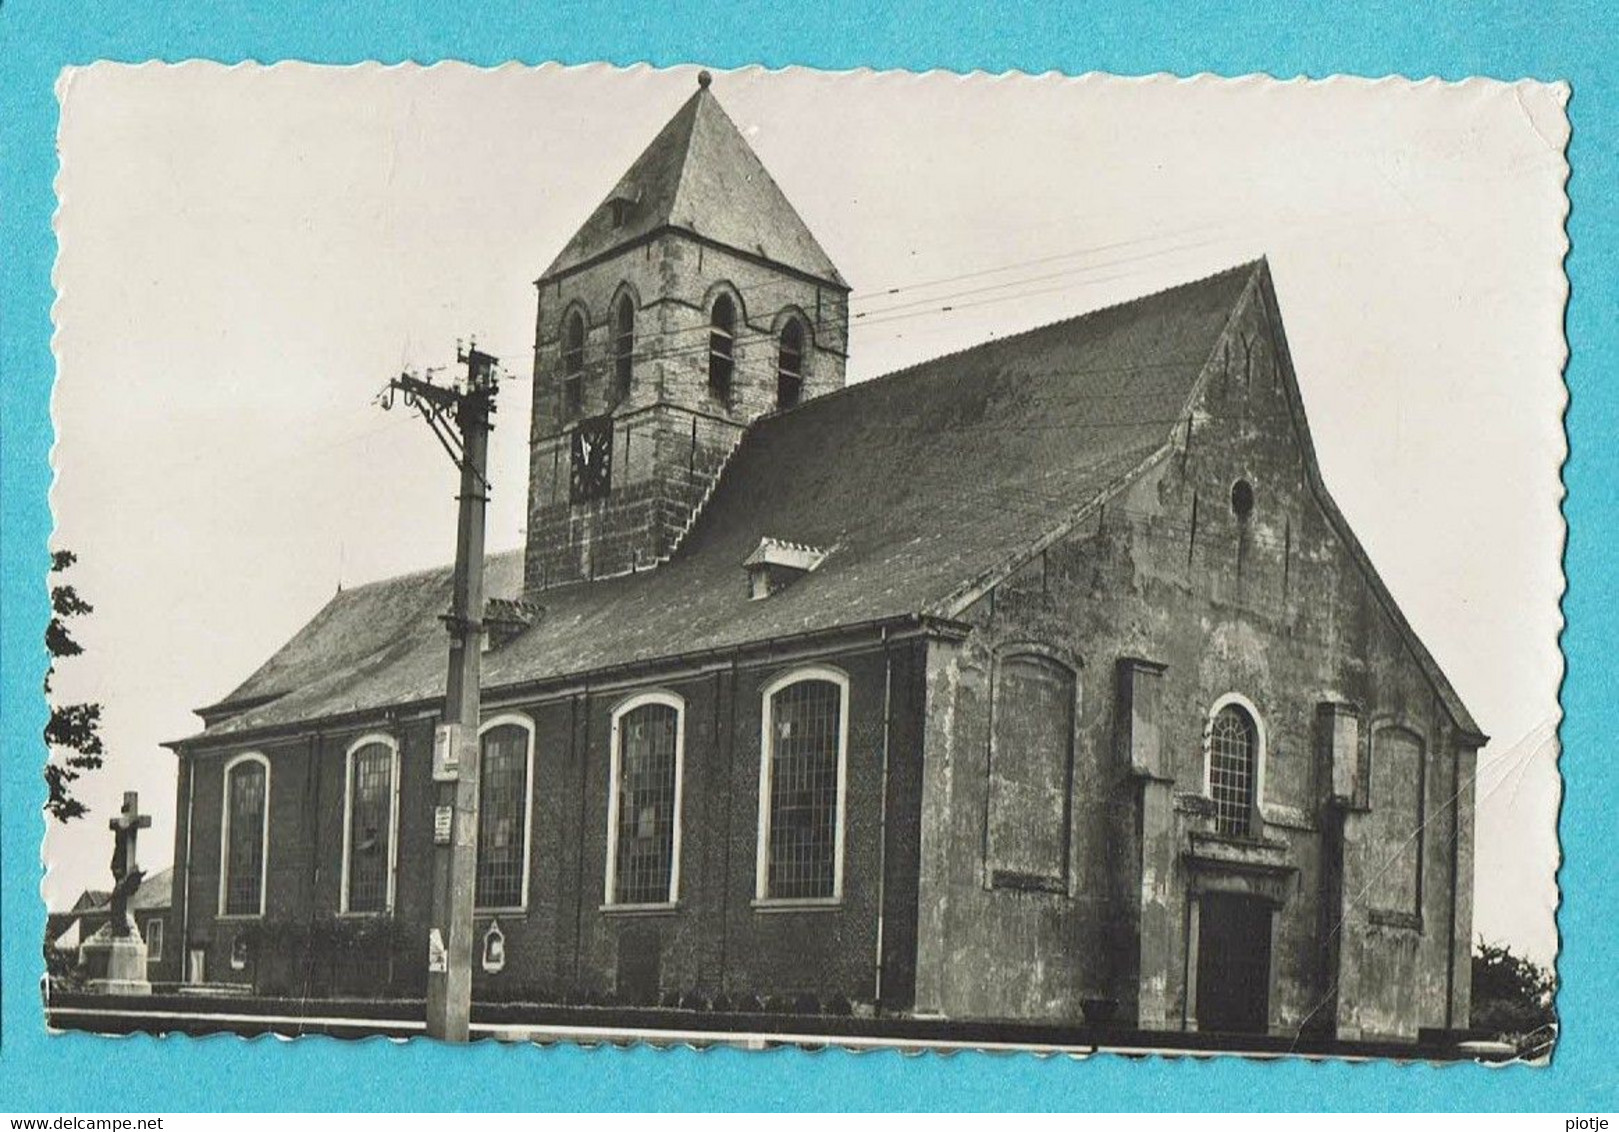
x=699, y=175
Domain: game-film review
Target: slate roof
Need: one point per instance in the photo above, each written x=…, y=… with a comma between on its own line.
x=91, y=899
x=700, y=175
x=156, y=892
x=919, y=484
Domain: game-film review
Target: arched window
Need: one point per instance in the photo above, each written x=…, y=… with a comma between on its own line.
x=790, y=365
x=623, y=345
x=1031, y=773
x=504, y=793
x=643, y=810
x=369, y=821
x=721, y=347
x=245, y=838
x=573, y=364
x=801, y=787
x=1233, y=769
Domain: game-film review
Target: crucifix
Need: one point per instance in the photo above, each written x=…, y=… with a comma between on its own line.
x=126, y=874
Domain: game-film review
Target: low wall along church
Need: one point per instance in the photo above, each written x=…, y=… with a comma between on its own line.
x=1041, y=682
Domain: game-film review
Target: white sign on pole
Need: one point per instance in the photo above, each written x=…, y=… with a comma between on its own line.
x=446, y=762
x=443, y=823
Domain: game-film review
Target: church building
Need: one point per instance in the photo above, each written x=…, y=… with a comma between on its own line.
x=1042, y=681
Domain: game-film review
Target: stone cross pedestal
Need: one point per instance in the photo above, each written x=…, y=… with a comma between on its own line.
x=114, y=958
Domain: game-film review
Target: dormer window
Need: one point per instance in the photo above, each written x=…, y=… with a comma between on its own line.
x=621, y=205
x=790, y=365
x=505, y=619
x=573, y=365
x=623, y=346
x=775, y=564
x=721, y=348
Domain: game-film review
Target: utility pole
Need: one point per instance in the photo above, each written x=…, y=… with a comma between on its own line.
x=459, y=418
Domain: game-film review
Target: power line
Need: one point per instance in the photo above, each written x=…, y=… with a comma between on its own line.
x=866, y=316
x=663, y=353
x=1033, y=278
x=1058, y=257
x=857, y=296
x=852, y=319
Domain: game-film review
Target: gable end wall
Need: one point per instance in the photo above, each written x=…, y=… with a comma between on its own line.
x=1274, y=608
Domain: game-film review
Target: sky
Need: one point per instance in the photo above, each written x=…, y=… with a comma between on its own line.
x=248, y=254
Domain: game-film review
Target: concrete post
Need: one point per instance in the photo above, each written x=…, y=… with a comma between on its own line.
x=450, y=942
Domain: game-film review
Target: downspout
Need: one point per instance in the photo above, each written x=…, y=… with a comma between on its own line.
x=1455, y=884
x=583, y=751
x=882, y=820
x=185, y=886
x=730, y=810
x=312, y=808
x=312, y=796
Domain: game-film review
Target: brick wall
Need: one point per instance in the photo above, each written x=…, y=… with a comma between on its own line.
x=564, y=946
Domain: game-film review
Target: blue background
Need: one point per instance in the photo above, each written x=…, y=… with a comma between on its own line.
x=1546, y=40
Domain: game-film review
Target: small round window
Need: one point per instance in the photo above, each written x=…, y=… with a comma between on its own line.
x=1242, y=499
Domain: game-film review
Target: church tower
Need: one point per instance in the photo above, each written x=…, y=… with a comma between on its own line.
x=692, y=301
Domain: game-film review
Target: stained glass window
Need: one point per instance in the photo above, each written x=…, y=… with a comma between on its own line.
x=643, y=861
x=1233, y=770
x=502, y=816
x=804, y=730
x=246, y=785
x=370, y=822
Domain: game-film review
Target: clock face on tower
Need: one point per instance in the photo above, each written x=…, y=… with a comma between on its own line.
x=592, y=465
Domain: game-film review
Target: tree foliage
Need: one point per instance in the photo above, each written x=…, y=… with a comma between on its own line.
x=1513, y=996
x=74, y=731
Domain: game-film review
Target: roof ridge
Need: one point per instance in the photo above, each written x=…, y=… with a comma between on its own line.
x=1249, y=266
x=697, y=102
x=706, y=98
x=772, y=540
x=675, y=134
x=678, y=133
x=424, y=572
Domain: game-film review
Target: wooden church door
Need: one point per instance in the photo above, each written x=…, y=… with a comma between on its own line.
x=1233, y=964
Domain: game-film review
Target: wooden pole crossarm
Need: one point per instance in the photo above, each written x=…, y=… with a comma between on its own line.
x=442, y=395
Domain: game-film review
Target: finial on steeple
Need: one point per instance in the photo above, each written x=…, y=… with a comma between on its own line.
x=703, y=79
